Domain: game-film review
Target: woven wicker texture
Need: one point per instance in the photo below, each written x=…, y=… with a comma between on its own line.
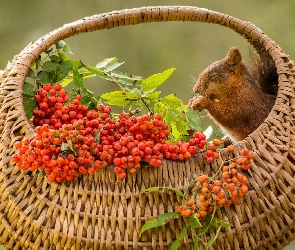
x=102, y=212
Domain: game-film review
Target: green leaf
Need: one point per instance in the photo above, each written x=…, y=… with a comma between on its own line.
x=29, y=105
x=78, y=80
x=99, y=72
x=31, y=74
x=67, y=66
x=63, y=56
x=125, y=76
x=66, y=82
x=44, y=77
x=66, y=48
x=60, y=44
x=54, y=58
x=106, y=62
x=194, y=222
x=151, y=83
x=196, y=243
x=29, y=89
x=175, y=244
x=161, y=220
x=48, y=51
x=112, y=65
x=49, y=66
x=193, y=120
x=212, y=240
x=171, y=100
x=208, y=223
x=122, y=98
x=38, y=60
x=153, y=189
x=154, y=96
x=216, y=222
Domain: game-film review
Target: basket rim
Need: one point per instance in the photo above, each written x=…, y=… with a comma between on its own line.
x=22, y=62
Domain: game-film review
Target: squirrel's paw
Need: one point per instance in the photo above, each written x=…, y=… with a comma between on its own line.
x=197, y=103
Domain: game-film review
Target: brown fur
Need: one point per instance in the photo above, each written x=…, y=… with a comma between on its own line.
x=230, y=95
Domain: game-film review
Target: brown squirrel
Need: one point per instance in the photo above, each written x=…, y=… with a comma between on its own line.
x=235, y=95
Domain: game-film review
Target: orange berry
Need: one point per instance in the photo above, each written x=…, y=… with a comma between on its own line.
x=202, y=198
x=230, y=148
x=197, y=215
x=220, y=195
x=204, y=190
x=203, y=214
x=205, y=203
x=244, y=180
x=217, y=142
x=208, y=195
x=240, y=161
x=249, y=156
x=190, y=203
x=224, y=186
x=235, y=200
x=220, y=202
x=244, y=188
x=203, y=178
x=245, y=152
x=233, y=171
x=231, y=186
x=225, y=175
x=235, y=180
x=246, y=166
x=225, y=168
x=188, y=212
x=132, y=170
x=217, y=183
x=216, y=189
x=179, y=209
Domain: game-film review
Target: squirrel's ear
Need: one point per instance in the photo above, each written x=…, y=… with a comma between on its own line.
x=234, y=56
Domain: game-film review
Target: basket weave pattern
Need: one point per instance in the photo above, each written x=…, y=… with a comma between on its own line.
x=101, y=212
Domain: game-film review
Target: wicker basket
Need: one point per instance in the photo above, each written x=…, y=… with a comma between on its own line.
x=101, y=212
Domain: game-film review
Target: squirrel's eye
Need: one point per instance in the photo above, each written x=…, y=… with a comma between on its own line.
x=212, y=74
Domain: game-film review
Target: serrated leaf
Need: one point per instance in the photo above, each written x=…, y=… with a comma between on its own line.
x=153, y=189
x=175, y=244
x=60, y=44
x=112, y=65
x=49, y=66
x=125, y=76
x=66, y=48
x=151, y=83
x=122, y=98
x=66, y=82
x=29, y=105
x=44, y=77
x=99, y=72
x=159, y=108
x=38, y=60
x=193, y=120
x=194, y=222
x=67, y=66
x=54, y=58
x=161, y=220
x=212, y=240
x=60, y=76
x=78, y=80
x=171, y=100
x=29, y=89
x=105, y=62
x=154, y=96
x=31, y=74
x=63, y=56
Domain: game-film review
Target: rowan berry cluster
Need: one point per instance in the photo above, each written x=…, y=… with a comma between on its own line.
x=210, y=191
x=71, y=140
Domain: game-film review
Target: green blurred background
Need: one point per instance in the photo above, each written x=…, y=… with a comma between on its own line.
x=146, y=48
